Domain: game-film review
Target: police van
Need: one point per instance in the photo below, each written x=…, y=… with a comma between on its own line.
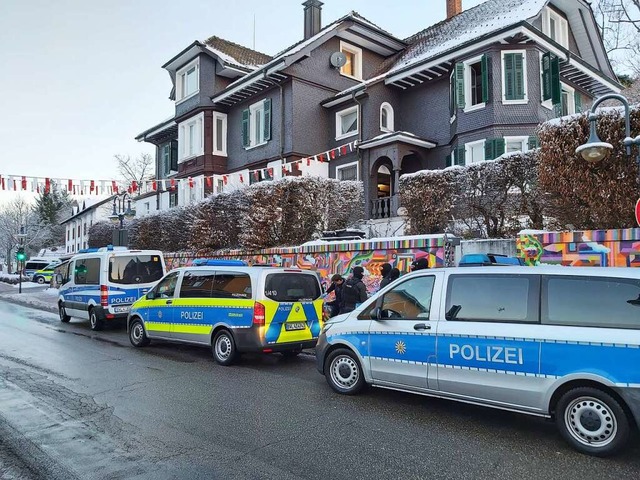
x=232, y=309
x=101, y=286
x=557, y=342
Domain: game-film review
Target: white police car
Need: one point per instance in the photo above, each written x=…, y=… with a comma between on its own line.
x=549, y=341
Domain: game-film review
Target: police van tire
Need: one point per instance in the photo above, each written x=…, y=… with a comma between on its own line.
x=64, y=318
x=95, y=321
x=592, y=421
x=137, y=335
x=40, y=280
x=224, y=348
x=344, y=373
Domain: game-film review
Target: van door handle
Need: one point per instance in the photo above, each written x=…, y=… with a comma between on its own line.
x=169, y=302
x=421, y=326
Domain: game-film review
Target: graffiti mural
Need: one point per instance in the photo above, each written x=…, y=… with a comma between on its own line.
x=591, y=248
x=329, y=258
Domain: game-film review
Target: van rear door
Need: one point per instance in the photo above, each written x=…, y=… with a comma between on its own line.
x=293, y=308
x=131, y=276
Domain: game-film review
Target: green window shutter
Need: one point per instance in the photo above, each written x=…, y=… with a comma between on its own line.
x=460, y=154
x=245, y=128
x=267, y=119
x=499, y=147
x=448, y=160
x=518, y=64
x=577, y=98
x=557, y=109
x=556, y=89
x=509, y=88
x=174, y=155
x=485, y=78
x=533, y=142
x=546, y=76
x=489, y=149
x=460, y=85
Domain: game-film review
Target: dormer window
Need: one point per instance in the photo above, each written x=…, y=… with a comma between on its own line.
x=353, y=66
x=555, y=26
x=187, y=80
x=386, y=117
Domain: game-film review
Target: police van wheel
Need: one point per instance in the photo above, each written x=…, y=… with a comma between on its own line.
x=64, y=318
x=40, y=280
x=344, y=373
x=137, y=335
x=224, y=348
x=592, y=421
x=96, y=322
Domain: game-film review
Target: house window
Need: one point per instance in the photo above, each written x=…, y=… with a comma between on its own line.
x=173, y=199
x=347, y=123
x=567, y=100
x=256, y=124
x=147, y=207
x=219, y=186
x=187, y=81
x=219, y=134
x=84, y=228
x=470, y=87
x=347, y=172
x=353, y=66
x=386, y=117
x=514, y=80
x=190, y=137
x=474, y=152
x=555, y=26
x=516, y=144
x=169, y=157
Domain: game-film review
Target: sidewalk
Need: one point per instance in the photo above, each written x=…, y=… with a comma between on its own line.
x=33, y=295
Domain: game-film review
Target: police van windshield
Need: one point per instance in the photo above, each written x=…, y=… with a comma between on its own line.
x=291, y=287
x=133, y=269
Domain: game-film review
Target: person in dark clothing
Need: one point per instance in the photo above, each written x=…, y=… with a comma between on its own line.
x=354, y=291
x=394, y=274
x=420, y=264
x=337, y=282
x=385, y=270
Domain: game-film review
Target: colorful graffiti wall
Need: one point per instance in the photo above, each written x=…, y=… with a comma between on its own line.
x=328, y=258
x=593, y=248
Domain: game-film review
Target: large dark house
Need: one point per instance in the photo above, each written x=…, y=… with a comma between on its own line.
x=373, y=106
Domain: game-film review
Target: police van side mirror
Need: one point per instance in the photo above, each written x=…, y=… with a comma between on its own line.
x=59, y=278
x=151, y=295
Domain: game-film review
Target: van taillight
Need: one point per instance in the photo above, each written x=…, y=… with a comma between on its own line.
x=258, y=314
x=104, y=295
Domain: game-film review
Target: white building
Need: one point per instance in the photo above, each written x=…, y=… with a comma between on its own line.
x=83, y=216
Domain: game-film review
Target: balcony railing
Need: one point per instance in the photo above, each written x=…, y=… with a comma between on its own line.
x=384, y=207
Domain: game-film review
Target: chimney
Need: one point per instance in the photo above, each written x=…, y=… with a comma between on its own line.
x=454, y=7
x=312, y=22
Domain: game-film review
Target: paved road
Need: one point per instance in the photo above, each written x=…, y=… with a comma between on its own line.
x=78, y=404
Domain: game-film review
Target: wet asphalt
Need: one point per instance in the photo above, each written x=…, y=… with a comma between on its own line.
x=81, y=404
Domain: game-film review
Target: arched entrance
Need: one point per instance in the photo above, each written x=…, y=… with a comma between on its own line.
x=383, y=188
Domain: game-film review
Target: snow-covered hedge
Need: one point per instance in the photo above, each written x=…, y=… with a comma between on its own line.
x=583, y=195
x=290, y=211
x=490, y=199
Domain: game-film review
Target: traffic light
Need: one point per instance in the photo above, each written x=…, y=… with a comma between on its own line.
x=20, y=255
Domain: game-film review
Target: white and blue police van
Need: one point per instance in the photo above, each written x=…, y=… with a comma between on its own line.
x=102, y=285
x=556, y=342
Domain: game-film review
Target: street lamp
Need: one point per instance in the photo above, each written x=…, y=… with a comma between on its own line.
x=118, y=215
x=595, y=150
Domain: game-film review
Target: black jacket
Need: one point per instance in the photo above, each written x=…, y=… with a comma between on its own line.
x=354, y=291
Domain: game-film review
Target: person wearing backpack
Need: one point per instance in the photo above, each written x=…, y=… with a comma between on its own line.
x=384, y=271
x=354, y=291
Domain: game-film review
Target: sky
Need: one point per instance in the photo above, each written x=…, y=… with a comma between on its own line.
x=81, y=78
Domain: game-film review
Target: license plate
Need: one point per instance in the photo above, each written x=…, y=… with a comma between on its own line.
x=123, y=309
x=295, y=326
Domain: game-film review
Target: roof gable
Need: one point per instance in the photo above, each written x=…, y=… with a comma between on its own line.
x=235, y=54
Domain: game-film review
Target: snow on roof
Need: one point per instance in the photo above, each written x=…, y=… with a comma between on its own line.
x=235, y=54
x=469, y=25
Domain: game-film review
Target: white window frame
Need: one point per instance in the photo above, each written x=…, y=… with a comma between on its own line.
x=571, y=106
x=467, y=85
x=184, y=147
x=340, y=115
x=255, y=110
x=523, y=140
x=468, y=148
x=452, y=95
x=390, y=117
x=179, y=80
x=561, y=23
x=219, y=116
x=524, y=78
x=347, y=165
x=357, y=58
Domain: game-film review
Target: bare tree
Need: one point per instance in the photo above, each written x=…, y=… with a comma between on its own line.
x=14, y=215
x=135, y=169
x=619, y=24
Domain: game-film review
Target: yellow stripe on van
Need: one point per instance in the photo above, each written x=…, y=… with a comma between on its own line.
x=193, y=329
x=157, y=327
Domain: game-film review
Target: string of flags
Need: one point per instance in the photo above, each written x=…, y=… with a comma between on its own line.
x=110, y=187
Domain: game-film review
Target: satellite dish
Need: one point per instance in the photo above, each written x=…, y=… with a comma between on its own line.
x=338, y=59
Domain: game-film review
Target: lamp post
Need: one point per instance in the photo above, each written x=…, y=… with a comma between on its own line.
x=118, y=215
x=596, y=150
x=21, y=257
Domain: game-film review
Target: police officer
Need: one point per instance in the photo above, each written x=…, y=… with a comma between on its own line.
x=337, y=283
x=420, y=264
x=354, y=291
